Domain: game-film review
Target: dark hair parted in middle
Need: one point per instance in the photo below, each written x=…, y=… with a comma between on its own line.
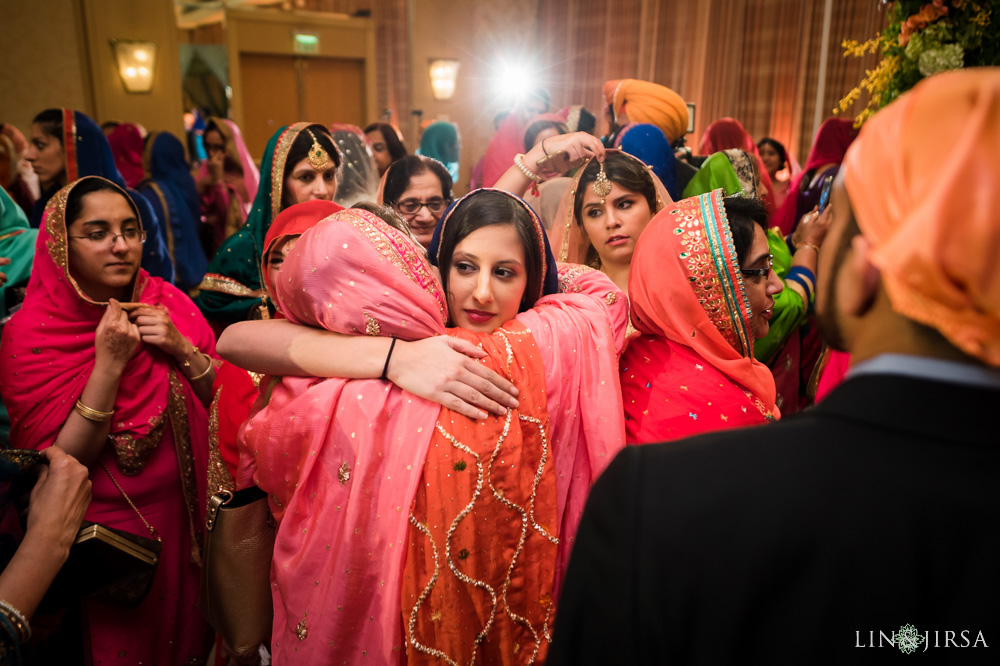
x=299, y=150
x=625, y=171
x=89, y=185
x=399, y=173
x=391, y=137
x=487, y=208
x=51, y=122
x=743, y=213
x=778, y=148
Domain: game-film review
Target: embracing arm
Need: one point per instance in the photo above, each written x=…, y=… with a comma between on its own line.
x=440, y=369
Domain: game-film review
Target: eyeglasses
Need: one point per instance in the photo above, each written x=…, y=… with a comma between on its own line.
x=759, y=273
x=436, y=205
x=101, y=237
x=215, y=147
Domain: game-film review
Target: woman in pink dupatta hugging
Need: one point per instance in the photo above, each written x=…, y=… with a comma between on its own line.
x=113, y=366
x=409, y=532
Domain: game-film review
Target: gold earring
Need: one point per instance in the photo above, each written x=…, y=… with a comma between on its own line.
x=319, y=159
x=602, y=186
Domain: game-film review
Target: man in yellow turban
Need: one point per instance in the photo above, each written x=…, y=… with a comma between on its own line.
x=868, y=521
x=635, y=101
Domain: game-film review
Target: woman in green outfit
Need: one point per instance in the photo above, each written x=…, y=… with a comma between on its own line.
x=300, y=164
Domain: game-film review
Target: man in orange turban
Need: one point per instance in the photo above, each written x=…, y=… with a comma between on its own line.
x=636, y=101
x=871, y=515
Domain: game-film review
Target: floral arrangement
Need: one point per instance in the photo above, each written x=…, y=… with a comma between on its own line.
x=922, y=39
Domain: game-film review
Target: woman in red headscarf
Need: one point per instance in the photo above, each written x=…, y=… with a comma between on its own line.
x=126, y=142
x=832, y=140
x=235, y=389
x=123, y=390
x=729, y=133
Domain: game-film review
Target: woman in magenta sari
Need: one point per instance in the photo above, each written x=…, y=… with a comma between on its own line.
x=367, y=518
x=124, y=394
x=701, y=289
x=227, y=182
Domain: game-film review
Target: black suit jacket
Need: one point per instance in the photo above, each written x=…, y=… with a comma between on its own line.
x=799, y=541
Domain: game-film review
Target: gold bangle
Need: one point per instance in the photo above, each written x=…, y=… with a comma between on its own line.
x=205, y=371
x=529, y=174
x=95, y=415
x=811, y=246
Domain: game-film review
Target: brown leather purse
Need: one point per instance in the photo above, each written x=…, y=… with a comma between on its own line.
x=236, y=568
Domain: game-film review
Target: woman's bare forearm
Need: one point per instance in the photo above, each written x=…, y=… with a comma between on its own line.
x=279, y=347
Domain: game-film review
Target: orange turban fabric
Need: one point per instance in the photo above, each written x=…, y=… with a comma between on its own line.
x=646, y=102
x=609, y=91
x=924, y=180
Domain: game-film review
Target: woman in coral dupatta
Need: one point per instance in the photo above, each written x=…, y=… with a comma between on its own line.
x=124, y=394
x=378, y=490
x=701, y=289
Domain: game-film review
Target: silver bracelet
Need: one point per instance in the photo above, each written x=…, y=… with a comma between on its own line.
x=18, y=620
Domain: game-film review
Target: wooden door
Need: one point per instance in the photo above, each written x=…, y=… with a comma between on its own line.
x=279, y=90
x=270, y=98
x=333, y=91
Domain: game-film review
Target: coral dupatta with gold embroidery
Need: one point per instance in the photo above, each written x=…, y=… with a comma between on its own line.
x=482, y=551
x=692, y=368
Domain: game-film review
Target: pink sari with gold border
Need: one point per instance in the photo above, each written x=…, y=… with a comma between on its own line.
x=341, y=460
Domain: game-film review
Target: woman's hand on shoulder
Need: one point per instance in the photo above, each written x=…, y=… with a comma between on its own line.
x=117, y=339
x=578, y=146
x=444, y=370
x=157, y=328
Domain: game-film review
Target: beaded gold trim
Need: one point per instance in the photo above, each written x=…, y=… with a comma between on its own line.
x=227, y=285
x=281, y=150
x=219, y=477
x=401, y=252
x=177, y=410
x=527, y=517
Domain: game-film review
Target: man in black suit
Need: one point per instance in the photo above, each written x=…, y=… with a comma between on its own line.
x=867, y=528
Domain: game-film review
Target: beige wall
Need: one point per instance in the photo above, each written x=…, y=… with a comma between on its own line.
x=475, y=33
x=58, y=53
x=43, y=63
x=149, y=20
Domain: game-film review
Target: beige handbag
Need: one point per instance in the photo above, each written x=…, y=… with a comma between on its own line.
x=235, y=577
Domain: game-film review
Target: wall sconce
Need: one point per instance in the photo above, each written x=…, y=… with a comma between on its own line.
x=136, y=64
x=443, y=74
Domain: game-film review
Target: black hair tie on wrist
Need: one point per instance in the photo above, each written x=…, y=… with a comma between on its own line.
x=388, y=356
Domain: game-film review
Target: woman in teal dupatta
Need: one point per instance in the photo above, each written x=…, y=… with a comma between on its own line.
x=232, y=289
x=17, y=243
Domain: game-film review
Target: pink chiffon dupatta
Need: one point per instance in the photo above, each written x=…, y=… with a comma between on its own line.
x=341, y=459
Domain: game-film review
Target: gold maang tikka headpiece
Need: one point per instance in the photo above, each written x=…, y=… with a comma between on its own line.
x=602, y=186
x=318, y=158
